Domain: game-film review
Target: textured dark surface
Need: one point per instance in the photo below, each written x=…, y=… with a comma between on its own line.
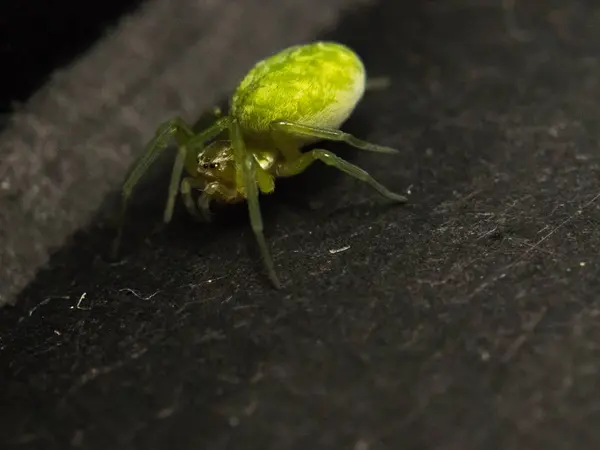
x=465, y=320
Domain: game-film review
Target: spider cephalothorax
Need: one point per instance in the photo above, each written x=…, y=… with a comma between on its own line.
x=217, y=162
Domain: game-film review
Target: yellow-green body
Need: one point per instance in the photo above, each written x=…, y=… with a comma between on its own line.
x=317, y=84
x=298, y=96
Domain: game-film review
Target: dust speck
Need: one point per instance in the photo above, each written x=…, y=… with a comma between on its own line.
x=333, y=251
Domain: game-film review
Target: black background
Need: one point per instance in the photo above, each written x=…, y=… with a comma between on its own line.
x=38, y=37
x=467, y=319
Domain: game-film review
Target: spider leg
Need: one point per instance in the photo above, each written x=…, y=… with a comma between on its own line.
x=187, y=184
x=198, y=140
x=330, y=134
x=246, y=179
x=174, y=128
x=185, y=157
x=290, y=168
x=176, y=173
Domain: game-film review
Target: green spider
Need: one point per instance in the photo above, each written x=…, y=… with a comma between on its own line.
x=296, y=97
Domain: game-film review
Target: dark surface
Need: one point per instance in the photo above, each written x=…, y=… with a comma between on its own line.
x=465, y=320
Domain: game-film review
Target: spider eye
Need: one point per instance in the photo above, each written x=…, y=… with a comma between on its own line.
x=205, y=165
x=214, y=165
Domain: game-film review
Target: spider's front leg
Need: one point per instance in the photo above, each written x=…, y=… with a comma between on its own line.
x=175, y=128
x=247, y=179
x=187, y=157
x=188, y=184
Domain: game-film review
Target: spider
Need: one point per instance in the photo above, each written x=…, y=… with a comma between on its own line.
x=296, y=97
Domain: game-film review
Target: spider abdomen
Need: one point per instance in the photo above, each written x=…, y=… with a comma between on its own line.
x=317, y=84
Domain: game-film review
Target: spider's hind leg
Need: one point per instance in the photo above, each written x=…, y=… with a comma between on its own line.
x=296, y=165
x=287, y=169
x=329, y=134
